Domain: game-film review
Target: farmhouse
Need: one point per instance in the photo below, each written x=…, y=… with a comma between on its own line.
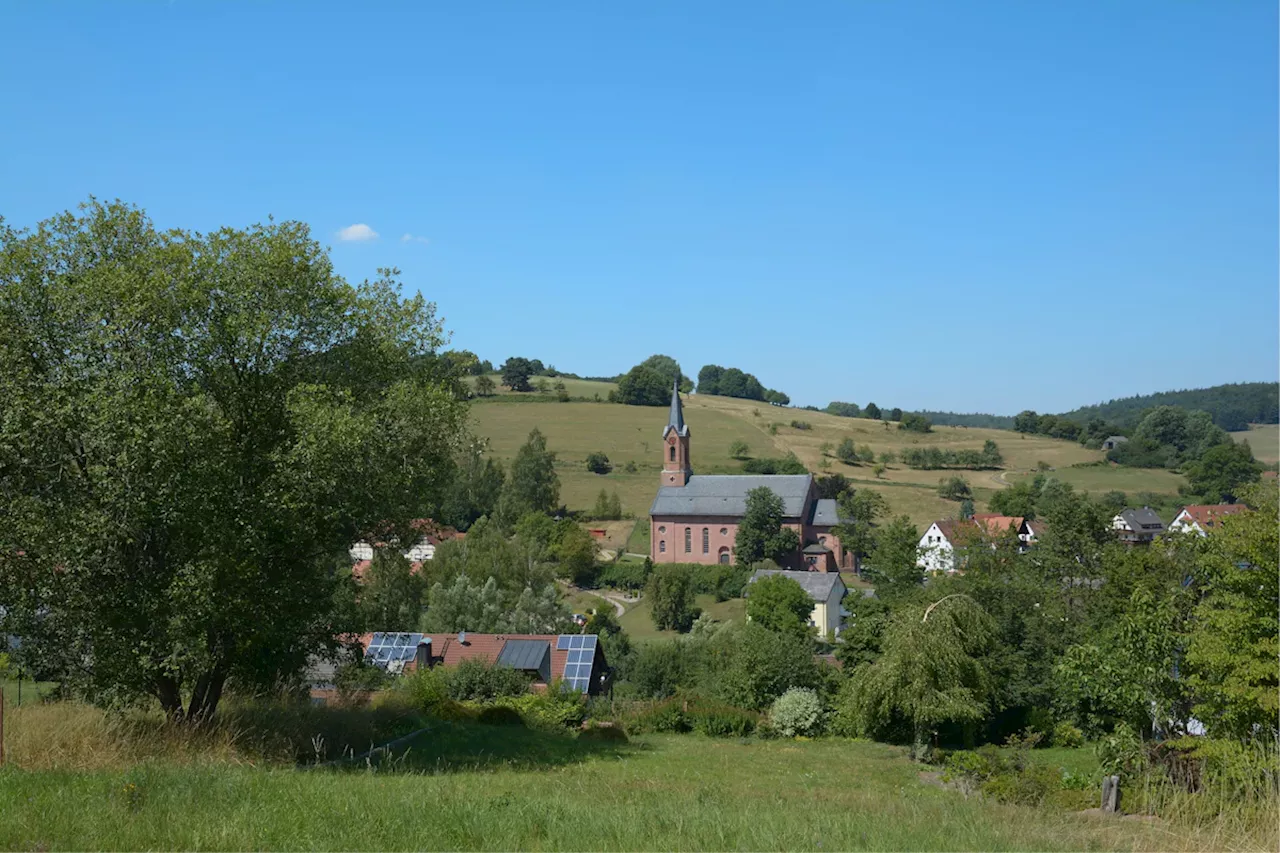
x=1137, y=526
x=827, y=591
x=1201, y=518
x=694, y=518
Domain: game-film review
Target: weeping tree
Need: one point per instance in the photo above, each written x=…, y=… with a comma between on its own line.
x=930, y=670
x=193, y=427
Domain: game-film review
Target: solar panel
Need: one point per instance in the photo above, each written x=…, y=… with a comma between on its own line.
x=580, y=659
x=390, y=650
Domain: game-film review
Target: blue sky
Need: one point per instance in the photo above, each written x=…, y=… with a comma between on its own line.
x=966, y=206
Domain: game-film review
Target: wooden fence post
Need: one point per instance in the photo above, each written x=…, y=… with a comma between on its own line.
x=1111, y=794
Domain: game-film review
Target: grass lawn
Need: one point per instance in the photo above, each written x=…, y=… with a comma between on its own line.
x=639, y=541
x=32, y=691
x=1264, y=440
x=469, y=787
x=638, y=620
x=582, y=601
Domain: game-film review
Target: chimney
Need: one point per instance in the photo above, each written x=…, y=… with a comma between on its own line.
x=462, y=637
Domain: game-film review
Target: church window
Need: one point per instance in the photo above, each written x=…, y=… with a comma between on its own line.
x=672, y=452
x=724, y=531
x=706, y=541
x=688, y=540
x=724, y=556
x=662, y=547
x=662, y=529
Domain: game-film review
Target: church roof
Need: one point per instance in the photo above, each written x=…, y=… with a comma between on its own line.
x=825, y=512
x=726, y=494
x=675, y=420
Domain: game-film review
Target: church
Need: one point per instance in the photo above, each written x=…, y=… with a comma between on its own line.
x=694, y=518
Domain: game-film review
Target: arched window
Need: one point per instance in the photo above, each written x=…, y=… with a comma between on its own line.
x=662, y=547
x=706, y=540
x=724, y=556
x=688, y=540
x=671, y=453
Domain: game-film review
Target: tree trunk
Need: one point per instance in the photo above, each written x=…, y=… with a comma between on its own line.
x=205, y=697
x=917, y=742
x=170, y=696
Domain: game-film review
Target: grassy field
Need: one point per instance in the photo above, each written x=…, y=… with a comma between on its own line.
x=638, y=620
x=632, y=434
x=1131, y=481
x=1264, y=440
x=469, y=787
x=31, y=693
x=573, y=387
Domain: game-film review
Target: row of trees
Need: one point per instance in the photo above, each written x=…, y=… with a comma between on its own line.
x=933, y=458
x=1233, y=406
x=872, y=411
x=732, y=382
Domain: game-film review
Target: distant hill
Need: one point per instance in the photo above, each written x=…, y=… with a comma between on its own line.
x=974, y=419
x=1233, y=406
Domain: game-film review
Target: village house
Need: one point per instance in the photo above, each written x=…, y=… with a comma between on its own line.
x=423, y=549
x=827, y=591
x=695, y=517
x=1113, y=441
x=938, y=545
x=576, y=660
x=1137, y=526
x=1202, y=518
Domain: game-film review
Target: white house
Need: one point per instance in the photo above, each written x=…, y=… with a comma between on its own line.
x=937, y=546
x=827, y=591
x=423, y=550
x=1201, y=518
x=1137, y=526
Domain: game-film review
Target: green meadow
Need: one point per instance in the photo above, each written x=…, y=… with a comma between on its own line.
x=462, y=786
x=1264, y=440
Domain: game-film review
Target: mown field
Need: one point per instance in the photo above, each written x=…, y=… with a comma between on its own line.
x=638, y=620
x=633, y=434
x=469, y=787
x=573, y=387
x=1264, y=440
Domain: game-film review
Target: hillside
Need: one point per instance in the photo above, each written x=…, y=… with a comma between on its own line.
x=1233, y=406
x=631, y=434
x=1264, y=441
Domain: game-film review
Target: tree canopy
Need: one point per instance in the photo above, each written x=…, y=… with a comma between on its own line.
x=194, y=426
x=780, y=604
x=761, y=535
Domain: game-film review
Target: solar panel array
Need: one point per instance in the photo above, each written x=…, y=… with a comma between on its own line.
x=582, y=652
x=391, y=650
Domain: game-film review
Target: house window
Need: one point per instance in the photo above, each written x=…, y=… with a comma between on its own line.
x=688, y=540
x=662, y=547
x=671, y=453
x=706, y=540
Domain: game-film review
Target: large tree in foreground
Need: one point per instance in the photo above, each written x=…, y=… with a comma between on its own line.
x=193, y=427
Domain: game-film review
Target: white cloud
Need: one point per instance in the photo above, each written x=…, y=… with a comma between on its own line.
x=409, y=238
x=357, y=233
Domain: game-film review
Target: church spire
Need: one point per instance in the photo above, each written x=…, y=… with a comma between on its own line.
x=675, y=421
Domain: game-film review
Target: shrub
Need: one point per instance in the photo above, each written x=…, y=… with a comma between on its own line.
x=801, y=425
x=608, y=733
x=716, y=719
x=598, y=463
x=739, y=449
x=1067, y=736
x=499, y=715
x=667, y=716
x=797, y=712
x=475, y=679
x=549, y=710
x=1121, y=753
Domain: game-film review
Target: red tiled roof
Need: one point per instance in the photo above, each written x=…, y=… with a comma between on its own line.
x=447, y=651
x=1206, y=514
x=998, y=523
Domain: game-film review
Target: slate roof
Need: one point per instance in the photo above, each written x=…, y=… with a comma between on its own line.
x=817, y=584
x=675, y=419
x=826, y=512
x=816, y=548
x=1142, y=519
x=726, y=494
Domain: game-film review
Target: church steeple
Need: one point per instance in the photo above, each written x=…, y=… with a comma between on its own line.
x=675, y=443
x=675, y=421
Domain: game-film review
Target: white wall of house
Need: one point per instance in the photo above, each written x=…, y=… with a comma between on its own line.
x=1184, y=523
x=361, y=551
x=1118, y=523
x=936, y=553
